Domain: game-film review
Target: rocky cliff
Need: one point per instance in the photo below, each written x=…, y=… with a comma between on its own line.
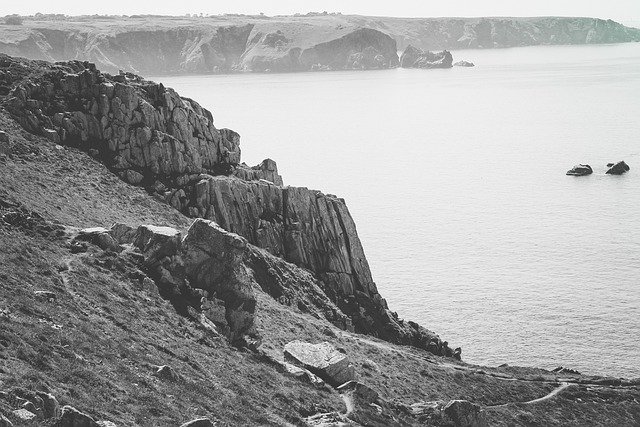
x=159, y=45
x=152, y=137
x=133, y=323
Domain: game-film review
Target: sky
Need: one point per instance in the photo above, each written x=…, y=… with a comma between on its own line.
x=618, y=10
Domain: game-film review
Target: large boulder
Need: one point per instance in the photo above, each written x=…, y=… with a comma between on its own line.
x=617, y=168
x=580, y=170
x=213, y=262
x=321, y=359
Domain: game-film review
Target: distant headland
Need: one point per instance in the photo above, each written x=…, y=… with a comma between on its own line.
x=155, y=45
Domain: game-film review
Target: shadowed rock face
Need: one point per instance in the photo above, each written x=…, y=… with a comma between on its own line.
x=362, y=49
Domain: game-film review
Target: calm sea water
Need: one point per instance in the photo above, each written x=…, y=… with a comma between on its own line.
x=456, y=180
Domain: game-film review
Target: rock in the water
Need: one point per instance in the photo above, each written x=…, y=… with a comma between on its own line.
x=321, y=359
x=213, y=262
x=465, y=414
x=464, y=64
x=200, y=422
x=580, y=170
x=618, y=168
x=71, y=417
x=413, y=57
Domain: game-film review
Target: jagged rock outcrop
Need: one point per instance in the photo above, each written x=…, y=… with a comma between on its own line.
x=140, y=129
x=617, y=168
x=580, y=170
x=417, y=58
x=213, y=262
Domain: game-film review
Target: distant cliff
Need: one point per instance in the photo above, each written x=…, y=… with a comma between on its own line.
x=222, y=44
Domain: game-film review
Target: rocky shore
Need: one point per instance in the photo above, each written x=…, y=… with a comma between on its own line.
x=148, y=278
x=315, y=42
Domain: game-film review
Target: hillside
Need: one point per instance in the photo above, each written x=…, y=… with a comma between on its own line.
x=90, y=317
x=155, y=45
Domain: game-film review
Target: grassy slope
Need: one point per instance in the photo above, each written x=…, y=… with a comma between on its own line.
x=97, y=345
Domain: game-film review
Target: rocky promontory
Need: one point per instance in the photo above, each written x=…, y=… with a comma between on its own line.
x=172, y=285
x=157, y=45
x=152, y=137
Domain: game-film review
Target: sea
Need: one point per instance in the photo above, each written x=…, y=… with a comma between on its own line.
x=456, y=181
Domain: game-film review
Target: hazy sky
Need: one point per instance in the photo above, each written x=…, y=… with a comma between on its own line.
x=619, y=10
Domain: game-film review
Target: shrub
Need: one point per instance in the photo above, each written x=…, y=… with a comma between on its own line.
x=13, y=20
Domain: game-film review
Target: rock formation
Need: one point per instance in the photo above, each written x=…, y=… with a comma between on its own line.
x=140, y=129
x=160, y=45
x=617, y=168
x=580, y=170
x=417, y=58
x=152, y=137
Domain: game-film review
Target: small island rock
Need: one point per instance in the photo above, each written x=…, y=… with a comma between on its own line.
x=618, y=168
x=580, y=170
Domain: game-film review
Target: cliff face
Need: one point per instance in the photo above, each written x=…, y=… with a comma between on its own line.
x=150, y=136
x=158, y=45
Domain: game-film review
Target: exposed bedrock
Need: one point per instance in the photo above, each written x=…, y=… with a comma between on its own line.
x=413, y=57
x=314, y=231
x=140, y=129
x=152, y=137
